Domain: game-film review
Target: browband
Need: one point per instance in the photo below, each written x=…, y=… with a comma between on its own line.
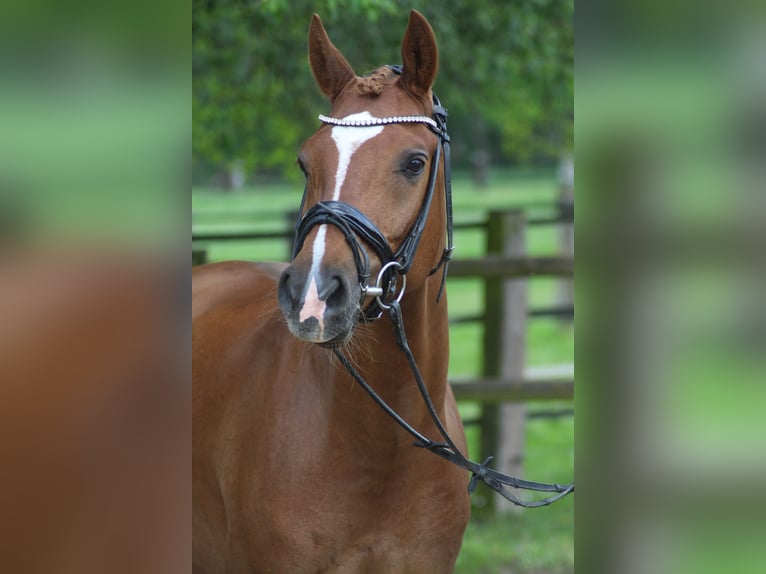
x=381, y=121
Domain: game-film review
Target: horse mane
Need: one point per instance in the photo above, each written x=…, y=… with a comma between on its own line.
x=373, y=83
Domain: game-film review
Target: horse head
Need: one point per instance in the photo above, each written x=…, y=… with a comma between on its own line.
x=370, y=172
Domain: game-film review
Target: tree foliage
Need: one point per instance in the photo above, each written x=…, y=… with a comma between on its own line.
x=505, y=74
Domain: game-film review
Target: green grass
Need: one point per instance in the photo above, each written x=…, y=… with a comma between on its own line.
x=533, y=541
x=539, y=542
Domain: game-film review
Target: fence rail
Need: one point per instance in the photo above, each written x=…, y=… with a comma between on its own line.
x=493, y=391
x=562, y=209
x=202, y=237
x=508, y=266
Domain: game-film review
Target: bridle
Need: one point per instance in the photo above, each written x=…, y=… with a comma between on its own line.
x=394, y=264
x=355, y=225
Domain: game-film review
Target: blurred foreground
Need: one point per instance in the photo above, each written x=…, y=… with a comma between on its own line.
x=94, y=414
x=671, y=228
x=94, y=345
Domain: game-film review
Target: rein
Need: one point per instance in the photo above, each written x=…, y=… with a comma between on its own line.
x=495, y=480
x=355, y=225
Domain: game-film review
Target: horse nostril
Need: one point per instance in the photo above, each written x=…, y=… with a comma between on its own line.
x=335, y=294
x=289, y=292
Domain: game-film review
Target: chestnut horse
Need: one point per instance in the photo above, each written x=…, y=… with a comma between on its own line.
x=295, y=469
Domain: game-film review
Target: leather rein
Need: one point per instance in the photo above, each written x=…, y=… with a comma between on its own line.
x=395, y=264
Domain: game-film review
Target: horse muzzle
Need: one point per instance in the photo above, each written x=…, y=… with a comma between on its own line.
x=320, y=307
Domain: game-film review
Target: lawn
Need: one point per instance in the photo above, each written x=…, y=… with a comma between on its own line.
x=534, y=540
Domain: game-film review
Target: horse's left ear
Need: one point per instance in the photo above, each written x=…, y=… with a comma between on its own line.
x=420, y=56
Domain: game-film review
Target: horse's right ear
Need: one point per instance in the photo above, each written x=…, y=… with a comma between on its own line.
x=330, y=68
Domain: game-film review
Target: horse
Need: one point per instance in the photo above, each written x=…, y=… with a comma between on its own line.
x=295, y=469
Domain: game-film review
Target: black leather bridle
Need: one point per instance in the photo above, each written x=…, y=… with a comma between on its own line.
x=355, y=225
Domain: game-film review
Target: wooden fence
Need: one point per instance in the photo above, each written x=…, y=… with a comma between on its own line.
x=505, y=384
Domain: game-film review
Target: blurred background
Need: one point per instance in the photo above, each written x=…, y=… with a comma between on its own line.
x=506, y=77
x=671, y=229
x=95, y=436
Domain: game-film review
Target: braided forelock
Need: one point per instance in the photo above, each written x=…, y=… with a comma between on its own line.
x=373, y=83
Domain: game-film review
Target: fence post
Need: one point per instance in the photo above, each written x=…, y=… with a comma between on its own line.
x=291, y=218
x=566, y=230
x=505, y=333
x=199, y=256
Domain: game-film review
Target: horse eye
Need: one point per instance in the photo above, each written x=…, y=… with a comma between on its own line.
x=415, y=166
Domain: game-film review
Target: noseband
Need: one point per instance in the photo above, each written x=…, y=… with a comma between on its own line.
x=355, y=225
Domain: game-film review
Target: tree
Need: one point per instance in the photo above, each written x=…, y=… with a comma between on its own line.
x=505, y=74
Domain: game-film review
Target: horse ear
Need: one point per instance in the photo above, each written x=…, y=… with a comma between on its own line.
x=420, y=56
x=330, y=68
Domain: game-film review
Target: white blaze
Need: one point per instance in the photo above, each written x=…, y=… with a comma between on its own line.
x=347, y=141
x=313, y=306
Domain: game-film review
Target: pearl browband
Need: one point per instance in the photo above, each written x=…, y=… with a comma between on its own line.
x=381, y=121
